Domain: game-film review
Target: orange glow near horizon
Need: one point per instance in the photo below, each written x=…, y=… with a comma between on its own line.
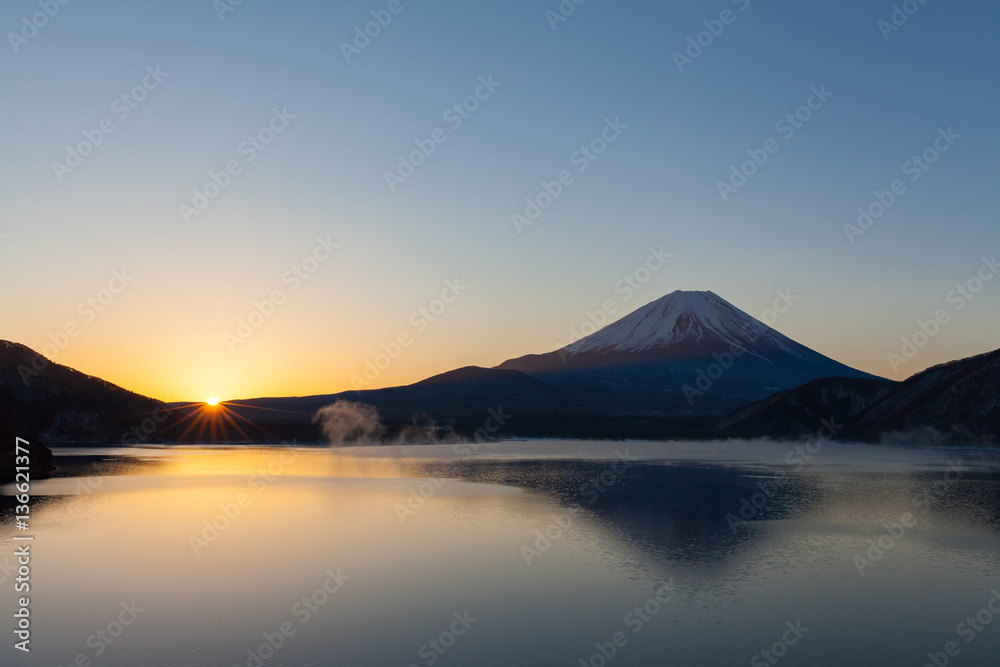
x=211, y=378
x=179, y=364
x=295, y=373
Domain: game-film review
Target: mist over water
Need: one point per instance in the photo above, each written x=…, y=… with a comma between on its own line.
x=350, y=423
x=355, y=424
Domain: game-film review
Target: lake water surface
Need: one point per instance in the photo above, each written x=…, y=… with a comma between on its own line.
x=520, y=553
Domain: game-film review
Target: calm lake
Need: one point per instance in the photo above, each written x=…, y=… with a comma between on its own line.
x=513, y=554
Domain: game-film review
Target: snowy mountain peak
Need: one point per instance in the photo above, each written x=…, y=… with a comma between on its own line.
x=682, y=318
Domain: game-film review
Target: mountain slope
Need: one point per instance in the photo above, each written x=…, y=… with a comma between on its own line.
x=39, y=398
x=465, y=392
x=953, y=403
x=800, y=412
x=959, y=400
x=686, y=353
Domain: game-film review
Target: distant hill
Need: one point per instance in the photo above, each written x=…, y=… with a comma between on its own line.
x=953, y=403
x=797, y=413
x=461, y=399
x=959, y=400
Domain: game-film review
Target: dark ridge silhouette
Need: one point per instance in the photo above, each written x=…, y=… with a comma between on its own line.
x=47, y=402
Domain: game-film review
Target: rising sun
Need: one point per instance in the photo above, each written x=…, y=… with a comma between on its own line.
x=212, y=401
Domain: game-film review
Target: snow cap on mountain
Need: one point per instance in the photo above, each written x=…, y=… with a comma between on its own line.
x=681, y=317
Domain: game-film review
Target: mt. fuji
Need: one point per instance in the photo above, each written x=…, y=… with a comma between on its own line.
x=677, y=319
x=692, y=352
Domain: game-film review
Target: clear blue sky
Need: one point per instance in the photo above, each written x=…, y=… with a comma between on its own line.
x=324, y=175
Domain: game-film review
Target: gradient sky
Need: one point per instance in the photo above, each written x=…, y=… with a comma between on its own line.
x=324, y=176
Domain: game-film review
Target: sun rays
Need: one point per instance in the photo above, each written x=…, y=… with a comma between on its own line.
x=215, y=421
x=210, y=422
